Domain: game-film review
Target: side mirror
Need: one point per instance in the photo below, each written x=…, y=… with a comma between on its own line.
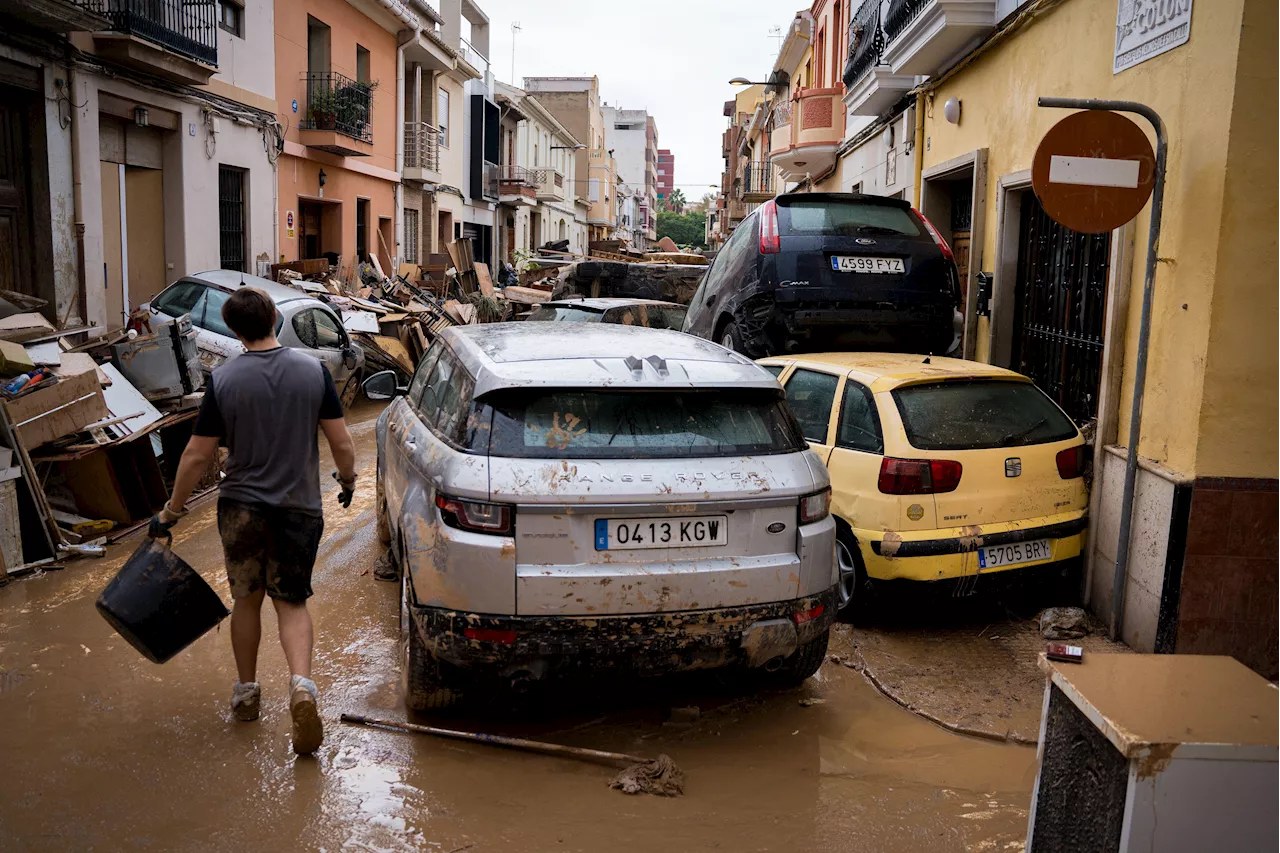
x=382, y=386
x=349, y=358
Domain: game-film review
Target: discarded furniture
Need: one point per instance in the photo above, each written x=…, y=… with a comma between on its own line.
x=1155, y=752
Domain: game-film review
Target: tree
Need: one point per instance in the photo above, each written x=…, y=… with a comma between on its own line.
x=704, y=204
x=676, y=201
x=686, y=229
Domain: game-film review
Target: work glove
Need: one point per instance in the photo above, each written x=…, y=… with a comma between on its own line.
x=347, y=490
x=162, y=522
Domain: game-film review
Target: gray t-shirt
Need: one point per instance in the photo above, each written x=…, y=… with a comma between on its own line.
x=267, y=407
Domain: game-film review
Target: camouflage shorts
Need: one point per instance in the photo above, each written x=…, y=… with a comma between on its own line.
x=268, y=547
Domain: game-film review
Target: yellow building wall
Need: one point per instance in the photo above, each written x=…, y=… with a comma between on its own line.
x=1069, y=53
x=1238, y=433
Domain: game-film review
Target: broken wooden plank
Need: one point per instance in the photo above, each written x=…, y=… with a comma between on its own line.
x=482, y=276
x=395, y=352
x=525, y=295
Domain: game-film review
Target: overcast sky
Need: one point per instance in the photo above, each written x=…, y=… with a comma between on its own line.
x=671, y=57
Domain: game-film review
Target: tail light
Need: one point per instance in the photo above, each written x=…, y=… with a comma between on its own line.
x=1071, y=462
x=919, y=476
x=816, y=506
x=770, y=240
x=936, y=235
x=476, y=517
x=800, y=617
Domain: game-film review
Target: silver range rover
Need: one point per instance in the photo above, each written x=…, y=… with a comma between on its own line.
x=599, y=498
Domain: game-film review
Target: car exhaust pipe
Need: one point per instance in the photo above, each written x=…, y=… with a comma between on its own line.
x=774, y=664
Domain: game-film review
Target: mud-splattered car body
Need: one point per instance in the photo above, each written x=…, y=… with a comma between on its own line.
x=941, y=469
x=602, y=496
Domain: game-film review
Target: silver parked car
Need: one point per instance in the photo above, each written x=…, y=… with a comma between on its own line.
x=599, y=497
x=304, y=323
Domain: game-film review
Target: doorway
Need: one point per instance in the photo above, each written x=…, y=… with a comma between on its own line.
x=953, y=198
x=1059, y=313
x=362, y=229
x=444, y=230
x=26, y=239
x=386, y=236
x=311, y=230
x=133, y=215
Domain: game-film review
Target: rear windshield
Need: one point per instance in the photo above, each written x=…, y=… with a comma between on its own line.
x=845, y=218
x=591, y=424
x=555, y=313
x=980, y=414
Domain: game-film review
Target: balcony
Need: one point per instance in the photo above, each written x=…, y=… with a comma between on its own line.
x=517, y=185
x=421, y=152
x=550, y=185
x=780, y=127
x=814, y=133
x=489, y=173
x=339, y=116
x=173, y=39
x=872, y=86
x=63, y=16
x=474, y=58
x=927, y=36
x=757, y=182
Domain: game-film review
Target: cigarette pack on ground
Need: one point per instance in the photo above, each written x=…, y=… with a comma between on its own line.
x=1065, y=653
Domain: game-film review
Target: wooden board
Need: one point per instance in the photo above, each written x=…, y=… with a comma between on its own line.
x=525, y=295
x=482, y=276
x=394, y=350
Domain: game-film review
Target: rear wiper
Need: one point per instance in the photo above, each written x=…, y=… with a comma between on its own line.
x=1020, y=434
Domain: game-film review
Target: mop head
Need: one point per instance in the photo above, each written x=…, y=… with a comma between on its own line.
x=660, y=776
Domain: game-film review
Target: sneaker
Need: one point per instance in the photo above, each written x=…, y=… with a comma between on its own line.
x=308, y=732
x=245, y=698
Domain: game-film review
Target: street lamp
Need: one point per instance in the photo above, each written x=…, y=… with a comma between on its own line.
x=578, y=147
x=743, y=81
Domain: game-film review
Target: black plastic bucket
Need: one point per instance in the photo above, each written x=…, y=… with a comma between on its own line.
x=159, y=603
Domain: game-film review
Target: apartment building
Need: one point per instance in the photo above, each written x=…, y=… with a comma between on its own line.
x=141, y=144
x=632, y=135
x=575, y=103
x=666, y=176
x=538, y=178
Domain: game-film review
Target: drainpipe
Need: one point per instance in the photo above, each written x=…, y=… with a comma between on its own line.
x=919, y=151
x=398, y=228
x=77, y=193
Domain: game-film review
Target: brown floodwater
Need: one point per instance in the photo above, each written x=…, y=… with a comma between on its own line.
x=103, y=750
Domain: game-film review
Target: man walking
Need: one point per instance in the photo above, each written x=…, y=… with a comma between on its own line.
x=265, y=406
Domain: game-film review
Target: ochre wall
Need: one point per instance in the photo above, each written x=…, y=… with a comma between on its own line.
x=1068, y=53
x=1238, y=436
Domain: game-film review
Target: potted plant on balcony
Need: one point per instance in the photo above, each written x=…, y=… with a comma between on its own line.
x=323, y=108
x=353, y=102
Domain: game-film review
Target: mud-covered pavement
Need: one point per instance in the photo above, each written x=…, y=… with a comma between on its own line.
x=103, y=750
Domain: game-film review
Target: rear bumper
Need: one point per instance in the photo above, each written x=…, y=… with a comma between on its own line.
x=916, y=556
x=640, y=644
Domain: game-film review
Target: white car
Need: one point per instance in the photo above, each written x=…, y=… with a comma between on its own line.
x=305, y=323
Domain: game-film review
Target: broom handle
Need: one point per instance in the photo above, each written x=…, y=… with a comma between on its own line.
x=499, y=740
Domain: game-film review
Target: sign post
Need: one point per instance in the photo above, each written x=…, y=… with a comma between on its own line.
x=1093, y=173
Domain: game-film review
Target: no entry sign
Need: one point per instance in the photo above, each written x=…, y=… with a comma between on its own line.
x=1093, y=171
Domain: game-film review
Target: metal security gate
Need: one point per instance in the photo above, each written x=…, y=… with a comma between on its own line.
x=231, y=218
x=1059, y=308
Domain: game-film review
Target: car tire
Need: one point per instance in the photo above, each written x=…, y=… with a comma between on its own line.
x=423, y=690
x=854, y=593
x=803, y=662
x=730, y=338
x=349, y=390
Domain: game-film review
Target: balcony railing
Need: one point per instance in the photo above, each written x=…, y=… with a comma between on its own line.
x=421, y=146
x=901, y=13
x=186, y=27
x=511, y=174
x=866, y=42
x=336, y=102
x=782, y=113
x=474, y=57
x=489, y=174
x=757, y=179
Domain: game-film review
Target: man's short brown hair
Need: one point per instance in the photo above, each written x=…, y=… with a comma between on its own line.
x=250, y=313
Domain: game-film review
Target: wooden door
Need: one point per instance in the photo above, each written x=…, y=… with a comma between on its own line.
x=16, y=247
x=112, y=254
x=144, y=233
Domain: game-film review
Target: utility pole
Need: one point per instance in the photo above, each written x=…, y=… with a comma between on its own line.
x=775, y=32
x=515, y=28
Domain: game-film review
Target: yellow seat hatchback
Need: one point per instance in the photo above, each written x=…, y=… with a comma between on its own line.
x=941, y=469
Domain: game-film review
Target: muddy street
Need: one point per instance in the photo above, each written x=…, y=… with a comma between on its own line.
x=104, y=750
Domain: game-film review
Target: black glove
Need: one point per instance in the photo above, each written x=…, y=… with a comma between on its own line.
x=347, y=489
x=162, y=522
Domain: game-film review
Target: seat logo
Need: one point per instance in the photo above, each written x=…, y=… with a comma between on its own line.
x=865, y=241
x=1013, y=467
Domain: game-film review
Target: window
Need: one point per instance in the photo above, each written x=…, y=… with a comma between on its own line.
x=593, y=189
x=329, y=334
x=304, y=326
x=859, y=421
x=410, y=236
x=210, y=313
x=423, y=374
x=231, y=17
x=845, y=218
x=442, y=116
x=591, y=424
x=180, y=299
x=810, y=395
x=977, y=414
x=775, y=369
x=362, y=64
x=362, y=229
x=231, y=208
